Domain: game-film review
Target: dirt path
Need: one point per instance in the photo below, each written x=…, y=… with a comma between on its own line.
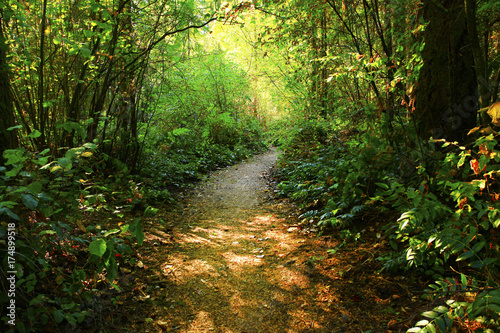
x=229, y=262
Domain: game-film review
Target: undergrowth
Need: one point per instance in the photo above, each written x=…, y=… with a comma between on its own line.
x=446, y=195
x=72, y=222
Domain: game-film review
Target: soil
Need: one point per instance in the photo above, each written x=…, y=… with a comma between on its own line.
x=233, y=258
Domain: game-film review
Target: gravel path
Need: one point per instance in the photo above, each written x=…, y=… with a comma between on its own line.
x=235, y=190
x=233, y=265
x=233, y=259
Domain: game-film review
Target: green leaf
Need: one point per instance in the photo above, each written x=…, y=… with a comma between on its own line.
x=55, y=168
x=422, y=323
x=85, y=52
x=35, y=134
x=441, y=324
x=181, y=131
x=35, y=187
x=150, y=211
x=98, y=247
x=441, y=309
x=8, y=204
x=71, y=319
x=47, y=232
x=488, y=5
x=14, y=127
x=463, y=279
x=496, y=295
x=466, y=255
x=65, y=163
x=9, y=213
x=429, y=314
x=39, y=299
x=58, y=316
x=382, y=185
x=112, y=232
x=135, y=229
x=14, y=172
x=478, y=247
x=448, y=320
x=13, y=156
x=494, y=307
x=414, y=330
x=112, y=269
x=29, y=201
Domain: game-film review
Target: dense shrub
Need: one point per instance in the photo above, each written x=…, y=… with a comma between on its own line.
x=447, y=196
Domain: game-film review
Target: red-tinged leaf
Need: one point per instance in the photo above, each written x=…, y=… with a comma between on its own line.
x=474, y=165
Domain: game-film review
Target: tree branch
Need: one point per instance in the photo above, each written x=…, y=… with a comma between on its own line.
x=270, y=13
x=165, y=35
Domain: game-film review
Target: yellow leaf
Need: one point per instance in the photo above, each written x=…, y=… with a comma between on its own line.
x=494, y=113
x=86, y=154
x=475, y=129
x=55, y=168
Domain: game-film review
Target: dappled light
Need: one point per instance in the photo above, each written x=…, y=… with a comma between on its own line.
x=248, y=270
x=250, y=166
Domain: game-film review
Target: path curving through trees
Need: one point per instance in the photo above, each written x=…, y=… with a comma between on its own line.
x=229, y=261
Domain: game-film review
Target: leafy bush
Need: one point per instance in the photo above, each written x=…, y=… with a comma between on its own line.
x=204, y=124
x=45, y=200
x=446, y=194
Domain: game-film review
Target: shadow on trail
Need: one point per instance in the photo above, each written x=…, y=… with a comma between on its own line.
x=239, y=276
x=229, y=263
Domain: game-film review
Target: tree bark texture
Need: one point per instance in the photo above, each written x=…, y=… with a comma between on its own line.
x=446, y=99
x=8, y=139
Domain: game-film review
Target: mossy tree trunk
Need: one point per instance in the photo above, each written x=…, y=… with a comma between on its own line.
x=446, y=99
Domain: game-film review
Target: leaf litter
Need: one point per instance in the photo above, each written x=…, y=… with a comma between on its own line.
x=234, y=258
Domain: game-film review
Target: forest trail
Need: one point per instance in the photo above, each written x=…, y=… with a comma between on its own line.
x=229, y=261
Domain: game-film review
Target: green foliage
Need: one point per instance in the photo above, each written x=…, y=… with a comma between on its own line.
x=206, y=123
x=333, y=171
x=485, y=308
x=45, y=198
x=447, y=199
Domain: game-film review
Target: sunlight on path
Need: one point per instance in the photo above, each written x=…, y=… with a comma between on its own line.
x=233, y=266
x=230, y=269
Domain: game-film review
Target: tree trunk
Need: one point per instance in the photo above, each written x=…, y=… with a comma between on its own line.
x=480, y=57
x=446, y=101
x=42, y=110
x=8, y=139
